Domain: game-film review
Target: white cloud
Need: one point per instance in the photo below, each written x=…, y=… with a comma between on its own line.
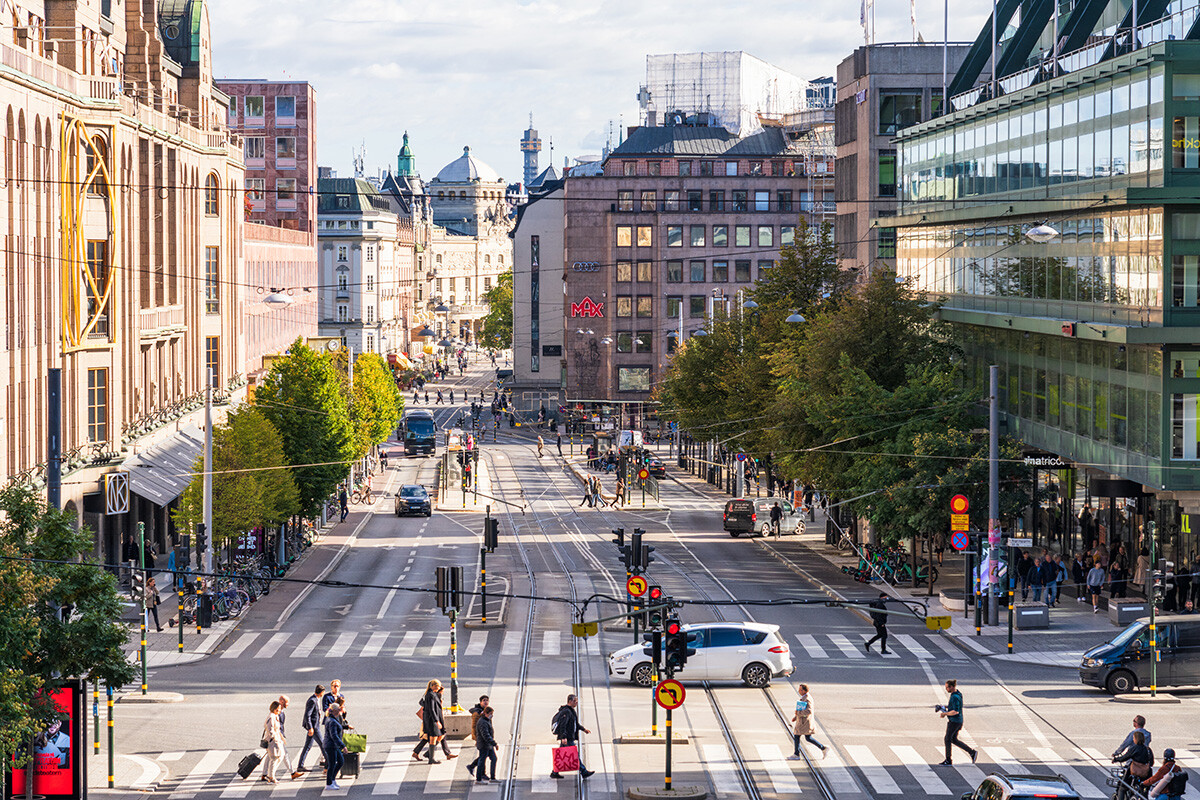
x=455, y=72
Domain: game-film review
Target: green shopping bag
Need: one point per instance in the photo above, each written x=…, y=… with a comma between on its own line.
x=355, y=742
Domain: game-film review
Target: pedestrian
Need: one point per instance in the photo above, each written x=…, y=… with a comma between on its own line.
x=587, y=491
x=1024, y=565
x=335, y=746
x=272, y=737
x=383, y=457
x=541, y=445
x=343, y=503
x=332, y=697
x=566, y=729
x=939, y=545
x=619, y=497
x=559, y=443
x=1169, y=780
x=426, y=397
x=284, y=702
x=879, y=620
x=776, y=518
x=1079, y=575
x=451, y=397
x=802, y=723
x=953, y=714
x=1087, y=526
x=415, y=398
x=476, y=712
x=1117, y=577
x=1050, y=578
x=152, y=601
x=1037, y=578
x=1141, y=570
x=433, y=726
x=1137, y=756
x=439, y=398
x=485, y=746
x=312, y=727
x=1095, y=584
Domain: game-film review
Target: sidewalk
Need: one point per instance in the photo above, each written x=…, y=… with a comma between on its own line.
x=455, y=499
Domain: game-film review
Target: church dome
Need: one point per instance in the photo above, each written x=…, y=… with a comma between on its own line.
x=466, y=169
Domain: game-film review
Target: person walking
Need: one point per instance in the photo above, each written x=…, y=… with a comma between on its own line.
x=559, y=443
x=1117, y=577
x=335, y=746
x=476, y=712
x=566, y=730
x=953, y=714
x=879, y=620
x=311, y=722
x=776, y=518
x=939, y=546
x=426, y=397
x=485, y=747
x=438, y=402
x=152, y=601
x=619, y=497
x=286, y=759
x=1095, y=585
x=272, y=736
x=451, y=397
x=333, y=696
x=587, y=492
x=802, y=723
x=1054, y=574
x=1037, y=578
x=433, y=726
x=343, y=503
x=1024, y=565
x=1079, y=576
x=541, y=445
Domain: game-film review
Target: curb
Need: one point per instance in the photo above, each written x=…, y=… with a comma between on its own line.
x=150, y=697
x=645, y=737
x=1142, y=699
x=659, y=793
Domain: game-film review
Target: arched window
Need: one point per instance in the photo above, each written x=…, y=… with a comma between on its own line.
x=96, y=154
x=440, y=195
x=211, y=206
x=487, y=259
x=438, y=258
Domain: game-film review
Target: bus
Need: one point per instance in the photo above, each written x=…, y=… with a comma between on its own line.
x=419, y=432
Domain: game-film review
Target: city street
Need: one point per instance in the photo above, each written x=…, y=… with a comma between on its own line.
x=384, y=641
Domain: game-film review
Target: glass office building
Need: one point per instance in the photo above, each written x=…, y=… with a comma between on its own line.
x=1097, y=331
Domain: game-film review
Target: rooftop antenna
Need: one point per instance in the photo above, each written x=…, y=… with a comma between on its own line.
x=621, y=130
x=359, y=159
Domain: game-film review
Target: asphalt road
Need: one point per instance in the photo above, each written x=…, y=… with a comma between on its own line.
x=384, y=639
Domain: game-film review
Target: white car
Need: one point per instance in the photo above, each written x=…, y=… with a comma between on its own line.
x=750, y=652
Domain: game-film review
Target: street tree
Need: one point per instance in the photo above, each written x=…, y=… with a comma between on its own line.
x=303, y=398
x=59, y=615
x=498, y=324
x=807, y=274
x=376, y=404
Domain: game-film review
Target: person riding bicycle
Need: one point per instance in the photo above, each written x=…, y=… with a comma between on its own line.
x=776, y=518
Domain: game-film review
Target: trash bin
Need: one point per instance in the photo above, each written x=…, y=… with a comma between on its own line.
x=204, y=611
x=1028, y=616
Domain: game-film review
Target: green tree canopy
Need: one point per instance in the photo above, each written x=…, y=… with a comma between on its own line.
x=57, y=620
x=498, y=324
x=376, y=404
x=303, y=398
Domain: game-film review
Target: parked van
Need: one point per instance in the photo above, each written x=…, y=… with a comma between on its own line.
x=1123, y=664
x=753, y=515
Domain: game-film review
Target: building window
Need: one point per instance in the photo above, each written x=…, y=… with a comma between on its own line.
x=763, y=267
x=645, y=272
x=740, y=200
x=624, y=235
x=1185, y=143
x=696, y=306
x=370, y=253
x=285, y=193
x=644, y=341
x=685, y=169
x=233, y=112
x=887, y=243
x=645, y=236
x=671, y=200
x=624, y=199
x=741, y=271
x=755, y=168
x=624, y=271
x=487, y=283
x=741, y=236
x=654, y=167
x=256, y=190
x=695, y=200
x=370, y=283
x=645, y=307
x=624, y=342
x=646, y=200
x=254, y=109
x=624, y=306
x=633, y=379
x=370, y=313
x=720, y=272
x=97, y=404
x=674, y=236
x=887, y=173
x=696, y=235
x=629, y=167
x=766, y=236
x=256, y=148
x=212, y=360
x=783, y=199
x=787, y=234
x=706, y=168
x=674, y=306
x=898, y=110
x=716, y=200
x=696, y=271
x=97, y=262
x=212, y=280
x=343, y=284
x=285, y=109
x=762, y=200
x=343, y=312
x=674, y=272
x=1185, y=281
x=720, y=236
x=731, y=169
x=211, y=205
x=285, y=148
x=1185, y=437
x=343, y=252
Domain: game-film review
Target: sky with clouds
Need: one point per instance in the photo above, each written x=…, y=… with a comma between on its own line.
x=469, y=72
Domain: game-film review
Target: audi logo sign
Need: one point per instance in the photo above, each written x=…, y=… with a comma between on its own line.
x=585, y=266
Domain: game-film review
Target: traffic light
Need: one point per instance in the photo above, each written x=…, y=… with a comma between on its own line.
x=645, y=560
x=619, y=540
x=675, y=645
x=137, y=581
x=449, y=588
x=201, y=543
x=636, y=543
x=653, y=648
x=654, y=597
x=627, y=555
x=491, y=534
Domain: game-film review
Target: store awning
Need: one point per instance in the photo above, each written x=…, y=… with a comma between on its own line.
x=161, y=473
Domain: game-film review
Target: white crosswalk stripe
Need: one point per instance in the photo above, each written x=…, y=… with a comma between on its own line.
x=441, y=775
x=838, y=776
x=720, y=768
x=543, y=762
x=1005, y=759
x=911, y=643
x=441, y=644
x=477, y=643
x=239, y=645
x=809, y=643
x=512, y=643
x=846, y=646
x=395, y=767
x=374, y=645
x=874, y=771
x=783, y=780
x=408, y=645
x=947, y=645
x=1085, y=787
x=209, y=763
x=891, y=653
x=307, y=645
x=551, y=643
x=341, y=646
x=919, y=768
x=272, y=646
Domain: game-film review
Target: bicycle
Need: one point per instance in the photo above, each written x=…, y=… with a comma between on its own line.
x=362, y=494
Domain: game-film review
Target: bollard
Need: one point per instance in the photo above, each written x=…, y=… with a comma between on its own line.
x=179, y=592
x=111, y=758
x=96, y=714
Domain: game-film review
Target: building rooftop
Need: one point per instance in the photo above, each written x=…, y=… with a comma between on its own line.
x=348, y=196
x=687, y=141
x=467, y=169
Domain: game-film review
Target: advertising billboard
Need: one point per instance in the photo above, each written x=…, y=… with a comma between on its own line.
x=59, y=760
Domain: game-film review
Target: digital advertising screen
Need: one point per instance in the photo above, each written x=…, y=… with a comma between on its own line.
x=59, y=753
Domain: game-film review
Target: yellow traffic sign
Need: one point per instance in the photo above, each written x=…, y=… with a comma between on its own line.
x=960, y=522
x=585, y=629
x=636, y=586
x=669, y=694
x=938, y=623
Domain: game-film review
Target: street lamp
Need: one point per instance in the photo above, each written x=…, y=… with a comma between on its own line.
x=1041, y=233
x=795, y=317
x=278, y=298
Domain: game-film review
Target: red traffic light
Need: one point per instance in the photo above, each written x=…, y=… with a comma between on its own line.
x=655, y=593
x=673, y=627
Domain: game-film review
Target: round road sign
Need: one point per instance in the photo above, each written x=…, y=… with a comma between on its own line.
x=636, y=585
x=959, y=540
x=669, y=694
x=643, y=473
x=959, y=504
x=741, y=456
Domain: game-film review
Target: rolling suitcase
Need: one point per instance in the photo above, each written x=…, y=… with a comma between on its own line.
x=352, y=766
x=248, y=764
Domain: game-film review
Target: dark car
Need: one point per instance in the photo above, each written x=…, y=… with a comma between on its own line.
x=1122, y=664
x=999, y=786
x=413, y=499
x=656, y=468
x=740, y=516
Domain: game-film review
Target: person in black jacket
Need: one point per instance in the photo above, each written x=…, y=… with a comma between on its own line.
x=879, y=620
x=433, y=727
x=1024, y=565
x=485, y=744
x=476, y=715
x=311, y=722
x=335, y=746
x=566, y=730
x=1079, y=573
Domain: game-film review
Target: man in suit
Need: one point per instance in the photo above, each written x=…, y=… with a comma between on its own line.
x=312, y=727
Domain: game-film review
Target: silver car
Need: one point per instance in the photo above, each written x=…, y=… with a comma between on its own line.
x=750, y=652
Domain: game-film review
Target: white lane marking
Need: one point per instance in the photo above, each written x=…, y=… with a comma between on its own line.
x=782, y=778
x=913, y=645
x=408, y=645
x=845, y=645
x=239, y=646
x=373, y=645
x=840, y=779
x=721, y=770
x=387, y=601
x=209, y=642
x=307, y=645
x=173, y=756
x=889, y=654
x=551, y=644
x=341, y=646
x=441, y=775
x=919, y=768
x=150, y=771
x=974, y=645
x=441, y=644
x=874, y=772
x=512, y=644
x=272, y=646
x=970, y=773
x=946, y=645
x=205, y=768
x=333, y=562
x=1006, y=759
x=543, y=763
x=393, y=772
x=477, y=643
x=809, y=643
x=1082, y=785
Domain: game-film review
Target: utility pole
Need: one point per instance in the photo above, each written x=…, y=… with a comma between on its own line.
x=208, y=473
x=993, y=494
x=54, y=438
x=145, y=586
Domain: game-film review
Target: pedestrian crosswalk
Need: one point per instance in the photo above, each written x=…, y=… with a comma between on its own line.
x=402, y=644
x=875, y=769
x=927, y=647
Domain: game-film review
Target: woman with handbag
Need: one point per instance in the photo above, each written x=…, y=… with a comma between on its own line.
x=152, y=601
x=1140, y=760
x=273, y=742
x=433, y=728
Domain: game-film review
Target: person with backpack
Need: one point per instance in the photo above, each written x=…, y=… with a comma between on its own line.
x=477, y=712
x=566, y=729
x=1170, y=780
x=879, y=620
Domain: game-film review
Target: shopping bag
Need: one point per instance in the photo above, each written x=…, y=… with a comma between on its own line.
x=566, y=759
x=355, y=742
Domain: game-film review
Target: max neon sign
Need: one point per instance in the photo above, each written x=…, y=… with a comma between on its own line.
x=586, y=308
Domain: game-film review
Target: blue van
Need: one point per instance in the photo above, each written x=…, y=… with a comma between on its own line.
x=1123, y=664
x=419, y=432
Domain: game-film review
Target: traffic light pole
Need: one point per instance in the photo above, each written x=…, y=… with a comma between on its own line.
x=145, y=585
x=1153, y=626
x=483, y=581
x=454, y=707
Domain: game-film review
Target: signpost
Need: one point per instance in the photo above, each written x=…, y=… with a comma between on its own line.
x=643, y=474
x=636, y=585
x=960, y=540
x=670, y=694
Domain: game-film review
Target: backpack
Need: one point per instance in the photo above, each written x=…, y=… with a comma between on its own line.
x=556, y=721
x=1178, y=784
